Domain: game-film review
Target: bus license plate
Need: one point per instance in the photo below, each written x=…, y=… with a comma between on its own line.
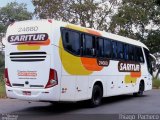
x=26, y=92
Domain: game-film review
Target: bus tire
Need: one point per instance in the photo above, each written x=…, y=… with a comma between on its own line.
x=97, y=94
x=141, y=90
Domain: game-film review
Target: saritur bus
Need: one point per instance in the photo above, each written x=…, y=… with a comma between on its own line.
x=48, y=60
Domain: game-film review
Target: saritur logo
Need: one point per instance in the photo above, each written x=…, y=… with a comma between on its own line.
x=38, y=38
x=129, y=67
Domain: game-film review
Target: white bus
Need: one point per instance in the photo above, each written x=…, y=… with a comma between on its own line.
x=48, y=60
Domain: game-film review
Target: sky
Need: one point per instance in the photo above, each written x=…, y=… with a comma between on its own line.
x=30, y=6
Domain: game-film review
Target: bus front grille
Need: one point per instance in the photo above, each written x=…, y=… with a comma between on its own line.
x=27, y=56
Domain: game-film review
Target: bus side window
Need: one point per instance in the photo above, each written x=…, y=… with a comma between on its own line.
x=114, y=46
x=65, y=37
x=100, y=47
x=104, y=49
x=126, y=51
x=89, y=47
x=71, y=41
x=139, y=55
x=107, y=48
x=66, y=34
x=131, y=52
x=120, y=50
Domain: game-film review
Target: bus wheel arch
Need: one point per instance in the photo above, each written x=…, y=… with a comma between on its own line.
x=97, y=94
x=141, y=88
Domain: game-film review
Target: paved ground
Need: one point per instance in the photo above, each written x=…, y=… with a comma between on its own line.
x=124, y=104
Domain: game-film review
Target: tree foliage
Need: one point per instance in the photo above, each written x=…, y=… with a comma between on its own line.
x=12, y=11
x=153, y=41
x=88, y=13
x=137, y=19
x=133, y=17
x=158, y=2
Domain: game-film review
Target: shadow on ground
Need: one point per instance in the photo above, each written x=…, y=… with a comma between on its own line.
x=61, y=108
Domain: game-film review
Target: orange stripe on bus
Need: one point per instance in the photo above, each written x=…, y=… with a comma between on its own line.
x=136, y=74
x=93, y=32
x=91, y=64
x=47, y=42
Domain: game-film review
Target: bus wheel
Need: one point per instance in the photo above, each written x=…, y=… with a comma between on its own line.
x=141, y=89
x=97, y=94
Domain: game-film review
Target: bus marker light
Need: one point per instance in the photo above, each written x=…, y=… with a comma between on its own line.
x=53, y=78
x=50, y=21
x=6, y=79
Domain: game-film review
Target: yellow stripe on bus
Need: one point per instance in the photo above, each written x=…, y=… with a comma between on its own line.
x=27, y=47
x=72, y=64
x=129, y=79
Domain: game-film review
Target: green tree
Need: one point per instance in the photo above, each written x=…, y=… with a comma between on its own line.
x=136, y=18
x=153, y=41
x=158, y=2
x=12, y=11
x=88, y=13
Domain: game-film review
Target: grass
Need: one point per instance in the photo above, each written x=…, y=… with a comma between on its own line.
x=2, y=85
x=156, y=83
x=2, y=91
